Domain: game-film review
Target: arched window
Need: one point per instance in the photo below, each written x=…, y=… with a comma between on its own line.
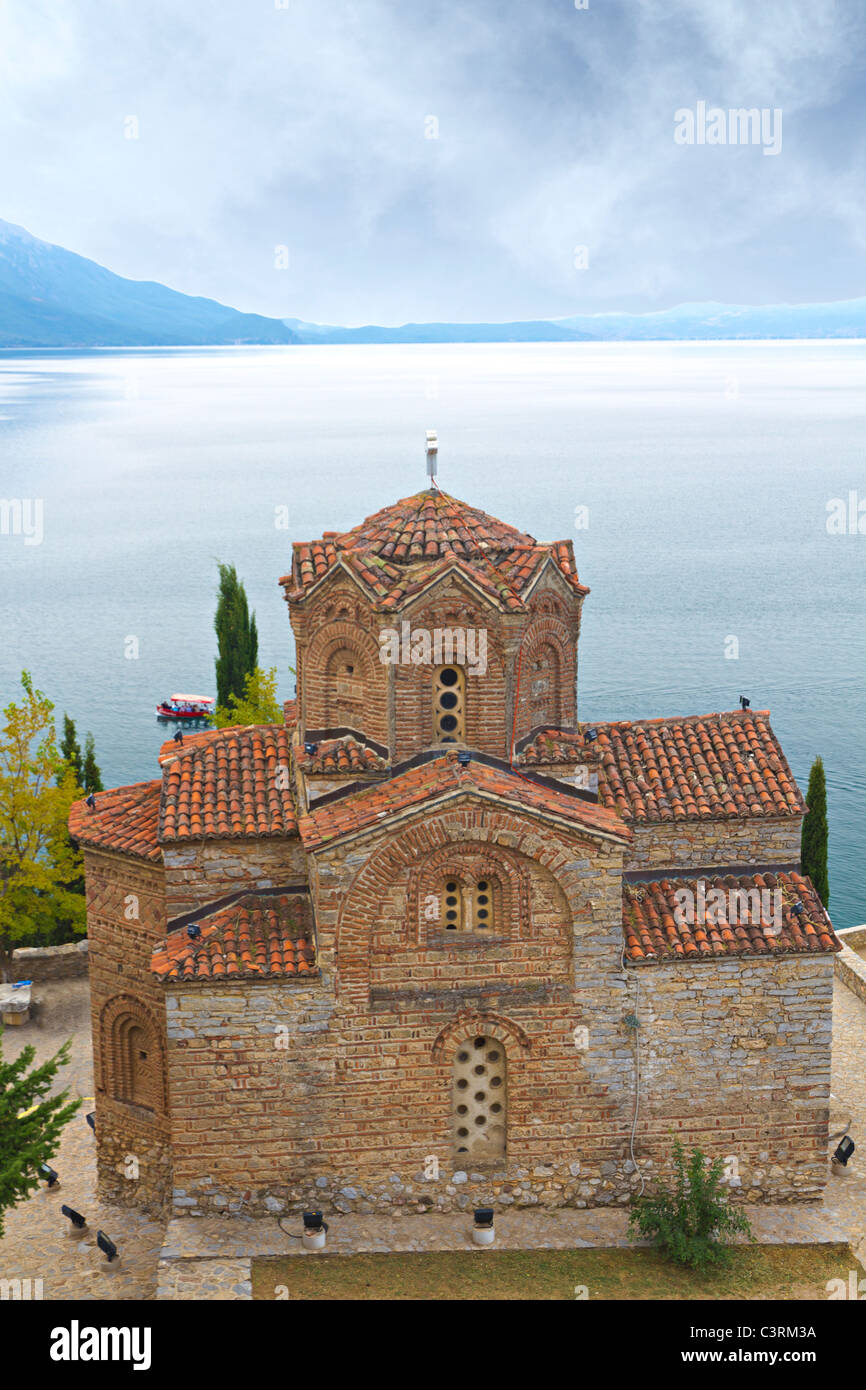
x=469, y=904
x=449, y=704
x=345, y=689
x=544, y=701
x=133, y=1062
x=479, y=1099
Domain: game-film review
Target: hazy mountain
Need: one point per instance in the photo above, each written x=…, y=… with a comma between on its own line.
x=532, y=331
x=843, y=319
x=52, y=298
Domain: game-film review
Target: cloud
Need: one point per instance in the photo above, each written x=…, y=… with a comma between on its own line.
x=304, y=126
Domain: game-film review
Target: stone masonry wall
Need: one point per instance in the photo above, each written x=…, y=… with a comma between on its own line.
x=201, y=872
x=51, y=962
x=700, y=844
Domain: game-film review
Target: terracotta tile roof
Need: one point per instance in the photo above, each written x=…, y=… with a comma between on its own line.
x=442, y=778
x=402, y=548
x=257, y=937
x=230, y=784
x=652, y=932
x=346, y=754
x=171, y=749
x=701, y=767
x=429, y=524
x=126, y=819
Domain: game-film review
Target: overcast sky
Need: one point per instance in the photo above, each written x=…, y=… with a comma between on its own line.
x=305, y=124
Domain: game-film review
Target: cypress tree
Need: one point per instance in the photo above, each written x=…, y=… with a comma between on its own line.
x=237, y=637
x=91, y=773
x=70, y=751
x=813, y=845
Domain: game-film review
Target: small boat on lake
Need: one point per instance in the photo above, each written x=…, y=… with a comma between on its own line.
x=186, y=707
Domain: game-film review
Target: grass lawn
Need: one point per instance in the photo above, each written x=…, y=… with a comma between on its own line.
x=755, y=1272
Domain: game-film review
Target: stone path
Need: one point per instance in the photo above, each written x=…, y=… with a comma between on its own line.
x=209, y=1258
x=39, y=1242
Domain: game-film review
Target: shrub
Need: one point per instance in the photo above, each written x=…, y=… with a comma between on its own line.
x=687, y=1220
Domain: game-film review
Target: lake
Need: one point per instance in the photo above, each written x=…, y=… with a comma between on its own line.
x=706, y=470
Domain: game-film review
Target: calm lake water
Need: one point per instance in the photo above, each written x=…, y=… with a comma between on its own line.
x=706, y=469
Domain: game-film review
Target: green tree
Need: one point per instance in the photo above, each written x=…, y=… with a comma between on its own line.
x=70, y=750
x=258, y=704
x=237, y=637
x=815, y=834
x=687, y=1221
x=38, y=863
x=92, y=775
x=30, y=1127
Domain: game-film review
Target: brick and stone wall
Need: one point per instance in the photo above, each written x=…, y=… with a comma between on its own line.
x=125, y=920
x=344, y=1081
x=392, y=704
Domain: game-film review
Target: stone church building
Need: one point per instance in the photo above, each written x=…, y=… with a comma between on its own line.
x=428, y=943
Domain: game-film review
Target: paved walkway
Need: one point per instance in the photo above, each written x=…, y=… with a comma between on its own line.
x=39, y=1242
x=209, y=1258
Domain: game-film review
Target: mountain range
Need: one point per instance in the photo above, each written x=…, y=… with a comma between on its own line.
x=53, y=298
x=840, y=319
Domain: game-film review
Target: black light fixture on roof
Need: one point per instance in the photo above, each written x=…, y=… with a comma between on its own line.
x=744, y=703
x=90, y=802
x=78, y=1221
x=107, y=1246
x=178, y=736
x=310, y=748
x=590, y=735
x=193, y=931
x=844, y=1150
x=464, y=758
x=90, y=1117
x=49, y=1174
x=799, y=908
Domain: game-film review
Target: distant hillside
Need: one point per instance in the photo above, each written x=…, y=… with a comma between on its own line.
x=52, y=298
x=843, y=319
x=532, y=331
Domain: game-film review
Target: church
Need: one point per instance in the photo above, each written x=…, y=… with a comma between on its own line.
x=432, y=942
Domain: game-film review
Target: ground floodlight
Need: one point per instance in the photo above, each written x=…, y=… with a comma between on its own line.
x=844, y=1150
x=315, y=1231
x=483, y=1232
x=75, y=1217
x=48, y=1173
x=108, y=1247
